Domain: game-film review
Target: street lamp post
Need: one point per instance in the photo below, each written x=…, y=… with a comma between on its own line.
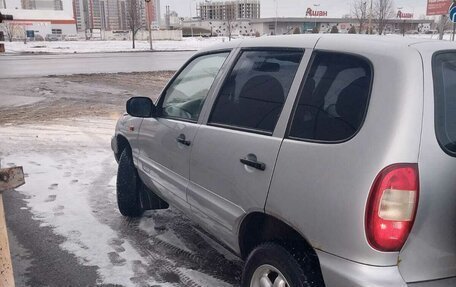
x=316, y=6
x=149, y=22
x=403, y=22
x=191, y=16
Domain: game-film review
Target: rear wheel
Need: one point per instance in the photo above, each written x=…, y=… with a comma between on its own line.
x=128, y=186
x=271, y=265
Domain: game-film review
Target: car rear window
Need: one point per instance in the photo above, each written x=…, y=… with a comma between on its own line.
x=444, y=70
x=333, y=100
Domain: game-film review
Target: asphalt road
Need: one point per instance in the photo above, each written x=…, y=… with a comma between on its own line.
x=21, y=66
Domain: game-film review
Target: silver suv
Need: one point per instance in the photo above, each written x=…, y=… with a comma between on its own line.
x=321, y=160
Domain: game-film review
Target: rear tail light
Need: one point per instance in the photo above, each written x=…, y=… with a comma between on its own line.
x=392, y=206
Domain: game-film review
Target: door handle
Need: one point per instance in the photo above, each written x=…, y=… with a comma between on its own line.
x=181, y=139
x=253, y=163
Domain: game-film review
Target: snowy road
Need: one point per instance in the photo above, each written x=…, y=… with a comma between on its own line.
x=43, y=65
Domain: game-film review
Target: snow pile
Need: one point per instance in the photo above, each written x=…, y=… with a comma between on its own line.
x=70, y=47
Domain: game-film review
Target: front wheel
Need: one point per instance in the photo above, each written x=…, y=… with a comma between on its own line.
x=128, y=186
x=271, y=265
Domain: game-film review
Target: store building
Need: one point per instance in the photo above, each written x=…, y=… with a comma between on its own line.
x=41, y=22
x=280, y=26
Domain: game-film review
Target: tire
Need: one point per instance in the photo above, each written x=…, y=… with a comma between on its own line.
x=128, y=186
x=271, y=254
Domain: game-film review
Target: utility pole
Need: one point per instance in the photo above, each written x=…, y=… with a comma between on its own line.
x=149, y=22
x=370, y=19
x=316, y=7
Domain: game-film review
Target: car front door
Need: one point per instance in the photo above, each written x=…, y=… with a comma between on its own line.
x=166, y=140
x=233, y=156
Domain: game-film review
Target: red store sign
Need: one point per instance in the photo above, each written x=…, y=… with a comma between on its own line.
x=314, y=13
x=402, y=15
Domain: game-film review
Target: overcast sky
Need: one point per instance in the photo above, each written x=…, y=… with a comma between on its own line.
x=297, y=8
x=285, y=8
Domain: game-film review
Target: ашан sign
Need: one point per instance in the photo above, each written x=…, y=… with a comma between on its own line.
x=402, y=15
x=314, y=13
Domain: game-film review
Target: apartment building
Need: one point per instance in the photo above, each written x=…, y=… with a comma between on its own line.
x=42, y=5
x=229, y=10
x=112, y=15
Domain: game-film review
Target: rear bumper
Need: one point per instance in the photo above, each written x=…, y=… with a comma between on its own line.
x=339, y=272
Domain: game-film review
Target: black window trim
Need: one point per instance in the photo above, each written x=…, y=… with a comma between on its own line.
x=162, y=96
x=298, y=98
x=238, y=56
x=436, y=128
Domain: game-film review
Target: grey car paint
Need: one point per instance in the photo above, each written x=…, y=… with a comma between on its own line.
x=431, y=247
x=321, y=189
x=337, y=178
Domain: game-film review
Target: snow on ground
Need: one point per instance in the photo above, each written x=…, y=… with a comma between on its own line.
x=16, y=101
x=203, y=279
x=70, y=47
x=70, y=188
x=195, y=43
x=58, y=180
x=446, y=37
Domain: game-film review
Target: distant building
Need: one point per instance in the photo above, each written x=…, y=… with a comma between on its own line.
x=42, y=5
x=42, y=22
x=110, y=15
x=156, y=22
x=229, y=10
x=287, y=25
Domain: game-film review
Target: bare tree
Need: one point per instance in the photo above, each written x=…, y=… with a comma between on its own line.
x=134, y=18
x=10, y=29
x=359, y=11
x=383, y=10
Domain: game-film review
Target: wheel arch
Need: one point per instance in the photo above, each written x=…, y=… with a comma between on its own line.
x=122, y=144
x=258, y=227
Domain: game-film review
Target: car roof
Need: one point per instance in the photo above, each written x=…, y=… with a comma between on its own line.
x=310, y=40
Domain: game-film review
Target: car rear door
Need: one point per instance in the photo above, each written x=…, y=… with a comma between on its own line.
x=166, y=140
x=430, y=252
x=234, y=155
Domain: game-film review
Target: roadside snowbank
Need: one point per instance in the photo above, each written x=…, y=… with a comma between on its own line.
x=70, y=47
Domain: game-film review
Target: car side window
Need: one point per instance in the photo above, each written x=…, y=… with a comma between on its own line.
x=185, y=96
x=254, y=93
x=333, y=101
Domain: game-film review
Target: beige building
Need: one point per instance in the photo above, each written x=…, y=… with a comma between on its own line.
x=229, y=10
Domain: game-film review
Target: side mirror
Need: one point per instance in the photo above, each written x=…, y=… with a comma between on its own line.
x=141, y=107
